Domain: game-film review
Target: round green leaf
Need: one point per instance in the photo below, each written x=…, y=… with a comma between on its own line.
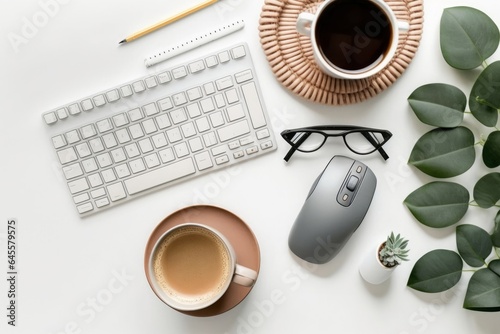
x=491, y=150
x=483, y=292
x=494, y=266
x=436, y=271
x=438, y=204
x=468, y=37
x=484, y=99
x=495, y=236
x=439, y=105
x=474, y=244
x=444, y=152
x=487, y=190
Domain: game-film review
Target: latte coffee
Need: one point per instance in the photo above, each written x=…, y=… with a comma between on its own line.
x=192, y=265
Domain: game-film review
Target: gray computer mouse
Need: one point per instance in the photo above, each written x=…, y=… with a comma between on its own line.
x=334, y=208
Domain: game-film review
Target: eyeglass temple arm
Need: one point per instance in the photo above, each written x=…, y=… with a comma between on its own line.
x=382, y=152
x=295, y=146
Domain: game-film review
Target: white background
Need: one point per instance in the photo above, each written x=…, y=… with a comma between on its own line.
x=66, y=262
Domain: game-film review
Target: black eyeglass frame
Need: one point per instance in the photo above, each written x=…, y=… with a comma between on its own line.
x=347, y=129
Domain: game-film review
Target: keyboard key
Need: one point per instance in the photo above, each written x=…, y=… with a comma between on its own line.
x=179, y=72
x=132, y=150
x=87, y=105
x=99, y=100
x=145, y=145
x=104, y=125
x=212, y=61
x=149, y=126
x=181, y=150
x=159, y=140
x=120, y=120
x=188, y=130
x=194, y=93
x=137, y=165
x=74, y=109
x=113, y=95
x=238, y=52
x=135, y=114
x=72, y=171
x=122, y=171
x=101, y=202
x=95, y=180
x=78, y=185
x=118, y=155
x=202, y=124
x=266, y=145
x=165, y=104
x=109, y=140
x=81, y=198
x=207, y=105
x=209, y=139
x=209, y=88
x=83, y=150
x=195, y=144
x=219, y=101
x=232, y=96
x=179, y=99
x=96, y=145
x=122, y=136
x=222, y=159
x=160, y=176
x=67, y=155
x=139, y=86
x=261, y=134
x=89, y=165
x=174, y=135
x=203, y=161
x=84, y=208
x=136, y=131
x=163, y=121
x=254, y=106
x=224, y=82
x=59, y=141
x=178, y=115
x=152, y=160
x=150, y=109
x=72, y=137
x=216, y=119
x=151, y=82
x=234, y=130
x=116, y=192
x=196, y=66
x=108, y=175
x=224, y=57
x=252, y=150
x=164, y=77
x=167, y=155
x=235, y=112
x=62, y=113
x=98, y=193
x=193, y=110
x=126, y=91
x=50, y=118
x=104, y=160
x=88, y=131
x=244, y=76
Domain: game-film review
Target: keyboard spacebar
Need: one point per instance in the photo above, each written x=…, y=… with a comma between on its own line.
x=160, y=176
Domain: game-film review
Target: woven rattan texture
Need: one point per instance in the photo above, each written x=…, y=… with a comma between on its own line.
x=291, y=57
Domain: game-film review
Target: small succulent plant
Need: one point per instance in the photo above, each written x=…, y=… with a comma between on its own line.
x=394, y=251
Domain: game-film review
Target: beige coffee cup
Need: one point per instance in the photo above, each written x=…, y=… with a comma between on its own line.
x=192, y=265
x=352, y=39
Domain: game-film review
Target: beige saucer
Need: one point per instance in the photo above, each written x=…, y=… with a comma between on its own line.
x=234, y=229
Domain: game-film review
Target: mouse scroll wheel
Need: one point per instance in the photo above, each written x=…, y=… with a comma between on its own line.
x=352, y=183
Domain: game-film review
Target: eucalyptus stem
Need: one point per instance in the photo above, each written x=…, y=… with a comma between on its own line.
x=496, y=252
x=484, y=64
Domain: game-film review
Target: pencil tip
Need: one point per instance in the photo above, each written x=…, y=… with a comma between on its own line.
x=123, y=41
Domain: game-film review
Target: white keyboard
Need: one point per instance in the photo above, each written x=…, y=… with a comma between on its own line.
x=161, y=129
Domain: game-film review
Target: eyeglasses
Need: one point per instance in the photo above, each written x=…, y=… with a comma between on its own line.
x=359, y=140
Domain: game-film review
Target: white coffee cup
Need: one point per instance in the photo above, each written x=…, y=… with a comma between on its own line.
x=192, y=265
x=352, y=39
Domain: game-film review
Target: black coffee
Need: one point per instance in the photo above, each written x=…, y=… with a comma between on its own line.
x=353, y=34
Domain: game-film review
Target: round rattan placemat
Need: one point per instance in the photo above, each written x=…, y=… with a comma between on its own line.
x=291, y=58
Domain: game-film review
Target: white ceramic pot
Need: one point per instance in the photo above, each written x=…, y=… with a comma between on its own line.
x=372, y=270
